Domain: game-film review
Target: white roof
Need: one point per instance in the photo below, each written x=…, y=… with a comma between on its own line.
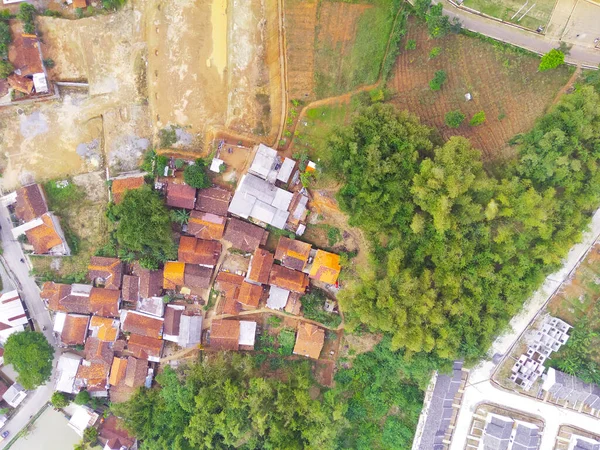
x=301, y=229
x=280, y=219
x=152, y=305
x=59, y=322
x=14, y=395
x=260, y=189
x=68, y=363
x=264, y=160
x=40, y=83
x=277, y=298
x=190, y=331
x=300, y=207
x=241, y=204
x=282, y=199
x=12, y=313
x=215, y=165
x=247, y=333
x=285, y=171
x=263, y=212
x=82, y=418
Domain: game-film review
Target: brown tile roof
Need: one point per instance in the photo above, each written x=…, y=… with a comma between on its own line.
x=107, y=271
x=120, y=186
x=325, y=267
x=131, y=288
x=114, y=428
x=106, y=329
x=144, y=347
x=198, y=251
x=309, y=340
x=44, y=237
x=244, y=235
x=213, y=200
x=23, y=52
x=260, y=266
x=136, y=323
x=97, y=351
x=172, y=320
x=75, y=329
x=250, y=294
x=230, y=283
x=293, y=304
x=31, y=202
x=181, y=196
x=105, y=302
x=117, y=371
x=232, y=306
x=173, y=274
x=137, y=370
x=225, y=334
x=197, y=276
x=151, y=282
x=21, y=84
x=206, y=225
x=292, y=253
x=93, y=375
x=289, y=279
x=55, y=293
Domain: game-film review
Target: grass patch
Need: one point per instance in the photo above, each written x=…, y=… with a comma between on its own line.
x=62, y=197
x=538, y=13
x=312, y=305
x=286, y=340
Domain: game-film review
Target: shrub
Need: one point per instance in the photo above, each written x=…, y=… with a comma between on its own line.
x=438, y=80
x=82, y=398
x=411, y=44
x=477, y=119
x=454, y=118
x=286, y=340
x=551, y=60
x=434, y=52
x=167, y=136
x=4, y=14
x=376, y=95
x=196, y=176
x=59, y=400
x=6, y=68
x=49, y=63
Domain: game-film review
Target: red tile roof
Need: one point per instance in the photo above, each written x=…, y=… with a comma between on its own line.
x=75, y=329
x=114, y=428
x=144, y=347
x=225, y=334
x=213, y=200
x=136, y=323
x=199, y=251
x=244, y=235
x=23, y=52
x=106, y=271
x=250, y=294
x=260, y=266
x=309, y=340
x=151, y=282
x=131, y=288
x=97, y=351
x=137, y=370
x=197, y=276
x=289, y=279
x=181, y=196
x=105, y=302
x=31, y=202
x=292, y=253
x=44, y=237
x=120, y=186
x=206, y=225
x=172, y=320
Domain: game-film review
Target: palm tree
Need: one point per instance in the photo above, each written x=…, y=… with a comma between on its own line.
x=181, y=216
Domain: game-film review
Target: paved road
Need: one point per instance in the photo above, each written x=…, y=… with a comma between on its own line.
x=30, y=293
x=516, y=36
x=480, y=388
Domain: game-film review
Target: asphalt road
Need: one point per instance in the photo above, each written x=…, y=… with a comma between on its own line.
x=579, y=54
x=30, y=294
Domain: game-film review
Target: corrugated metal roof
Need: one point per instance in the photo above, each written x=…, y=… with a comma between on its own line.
x=285, y=172
x=264, y=160
x=247, y=333
x=278, y=298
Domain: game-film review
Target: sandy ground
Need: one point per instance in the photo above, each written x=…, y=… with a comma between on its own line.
x=50, y=432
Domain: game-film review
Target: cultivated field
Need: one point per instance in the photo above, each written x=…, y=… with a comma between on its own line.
x=528, y=13
x=505, y=84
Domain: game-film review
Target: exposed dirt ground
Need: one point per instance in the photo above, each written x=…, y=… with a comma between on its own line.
x=504, y=84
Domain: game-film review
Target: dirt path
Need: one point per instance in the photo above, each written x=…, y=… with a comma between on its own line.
x=567, y=86
x=182, y=354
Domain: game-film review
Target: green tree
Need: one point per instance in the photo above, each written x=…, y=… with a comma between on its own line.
x=82, y=398
x=26, y=14
x=31, y=355
x=5, y=38
x=438, y=80
x=144, y=227
x=454, y=119
x=180, y=216
x=6, y=68
x=477, y=119
x=113, y=4
x=59, y=400
x=551, y=60
x=196, y=176
x=90, y=435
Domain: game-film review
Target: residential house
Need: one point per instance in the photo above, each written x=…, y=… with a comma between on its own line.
x=66, y=371
x=292, y=253
x=309, y=340
x=24, y=53
x=294, y=305
x=79, y=4
x=230, y=284
x=151, y=281
x=298, y=213
x=72, y=328
x=97, y=351
x=285, y=171
x=144, y=347
x=21, y=84
x=12, y=315
x=206, y=225
x=505, y=432
x=173, y=274
x=199, y=251
x=45, y=236
x=155, y=306
x=172, y=322
x=249, y=295
x=14, y=395
x=260, y=266
x=181, y=196
x=291, y=280
x=143, y=324
x=136, y=373
x=182, y=328
x=131, y=288
x=106, y=272
x=118, y=370
x=232, y=335
x=567, y=388
x=3, y=389
x=104, y=328
x=213, y=200
x=93, y=377
x=73, y=298
x=278, y=298
x=196, y=278
x=105, y=302
x=120, y=185
x=30, y=203
x=325, y=267
x=112, y=433
x=264, y=163
x=244, y=235
x=577, y=442
x=82, y=418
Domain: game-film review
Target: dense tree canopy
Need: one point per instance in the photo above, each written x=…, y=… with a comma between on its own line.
x=196, y=176
x=456, y=250
x=144, y=227
x=31, y=355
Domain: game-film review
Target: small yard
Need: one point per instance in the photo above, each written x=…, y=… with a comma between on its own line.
x=313, y=306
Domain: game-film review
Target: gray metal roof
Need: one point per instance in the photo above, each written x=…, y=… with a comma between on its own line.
x=278, y=297
x=241, y=204
x=264, y=160
x=585, y=444
x=282, y=199
x=526, y=437
x=190, y=331
x=263, y=211
x=280, y=219
x=285, y=172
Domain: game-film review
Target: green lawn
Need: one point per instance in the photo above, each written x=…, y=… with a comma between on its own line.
x=537, y=16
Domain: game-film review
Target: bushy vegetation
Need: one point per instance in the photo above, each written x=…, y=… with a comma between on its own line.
x=144, y=227
x=439, y=78
x=59, y=400
x=26, y=14
x=167, y=137
x=62, y=198
x=6, y=68
x=5, y=39
x=454, y=119
x=312, y=306
x=82, y=398
x=31, y=355
x=477, y=119
x=552, y=60
x=196, y=175
x=286, y=340
x=457, y=250
x=411, y=44
x=438, y=24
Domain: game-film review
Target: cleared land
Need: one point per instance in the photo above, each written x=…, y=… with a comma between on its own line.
x=527, y=13
x=503, y=82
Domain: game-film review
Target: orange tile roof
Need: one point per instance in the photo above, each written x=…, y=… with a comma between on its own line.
x=21, y=84
x=137, y=369
x=289, y=279
x=198, y=251
x=94, y=375
x=105, y=302
x=232, y=306
x=74, y=329
x=206, y=225
x=107, y=271
x=144, y=347
x=79, y=4
x=309, y=340
x=44, y=237
x=326, y=267
x=250, y=294
x=121, y=185
x=173, y=274
x=107, y=329
x=53, y=293
x=292, y=253
x=230, y=283
x=24, y=51
x=142, y=324
x=31, y=202
x=117, y=371
x=181, y=196
x=97, y=351
x=225, y=334
x=260, y=266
